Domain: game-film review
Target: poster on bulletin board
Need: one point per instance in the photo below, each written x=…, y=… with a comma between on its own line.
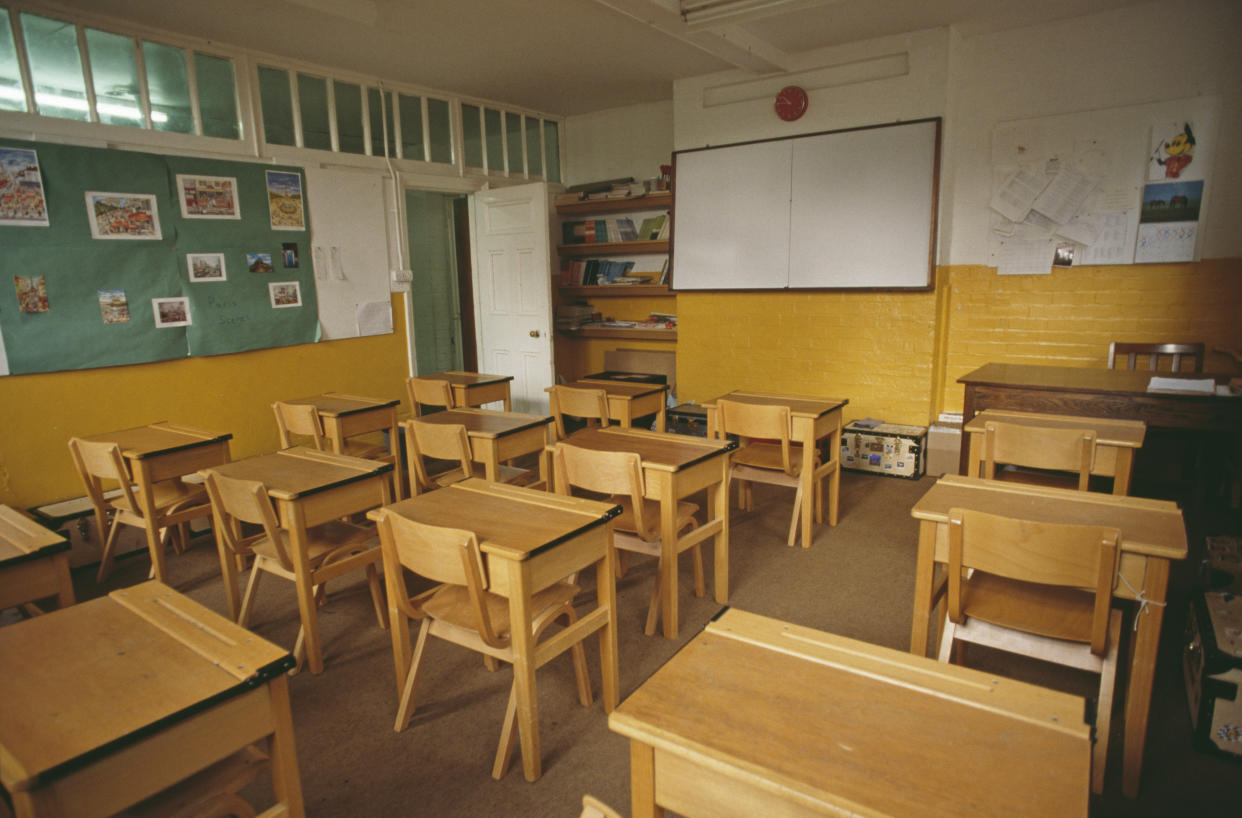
x=120, y=257
x=1117, y=186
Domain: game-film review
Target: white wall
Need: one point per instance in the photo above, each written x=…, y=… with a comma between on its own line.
x=1136, y=55
x=632, y=141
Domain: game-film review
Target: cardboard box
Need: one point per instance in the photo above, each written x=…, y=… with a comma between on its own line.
x=944, y=447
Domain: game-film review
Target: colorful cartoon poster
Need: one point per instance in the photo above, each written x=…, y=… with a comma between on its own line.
x=284, y=200
x=114, y=306
x=21, y=189
x=208, y=197
x=1173, y=152
x=31, y=293
x=122, y=215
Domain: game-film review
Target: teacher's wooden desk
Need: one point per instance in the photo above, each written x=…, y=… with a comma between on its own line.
x=476, y=388
x=530, y=540
x=345, y=416
x=163, y=451
x=674, y=467
x=1115, y=442
x=1153, y=533
x=755, y=716
x=813, y=419
x=497, y=437
x=628, y=401
x=34, y=562
x=112, y=700
x=1097, y=392
x=308, y=487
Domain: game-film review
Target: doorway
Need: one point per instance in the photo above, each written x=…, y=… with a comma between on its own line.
x=442, y=299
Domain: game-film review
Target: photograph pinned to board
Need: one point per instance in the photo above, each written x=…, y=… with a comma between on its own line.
x=114, y=306
x=1173, y=152
x=122, y=215
x=31, y=294
x=289, y=255
x=171, y=312
x=259, y=262
x=285, y=294
x=206, y=267
x=284, y=200
x=1169, y=222
x=22, y=202
x=208, y=197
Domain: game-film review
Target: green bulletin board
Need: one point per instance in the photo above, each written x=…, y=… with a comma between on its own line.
x=230, y=315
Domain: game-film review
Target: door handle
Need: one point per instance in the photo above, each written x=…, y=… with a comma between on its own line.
x=534, y=333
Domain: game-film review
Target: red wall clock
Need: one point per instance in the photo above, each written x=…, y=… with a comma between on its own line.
x=791, y=103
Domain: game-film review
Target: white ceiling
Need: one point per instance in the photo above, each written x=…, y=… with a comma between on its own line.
x=561, y=57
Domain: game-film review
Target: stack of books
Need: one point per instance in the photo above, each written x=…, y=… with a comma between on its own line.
x=654, y=228
x=596, y=231
x=573, y=316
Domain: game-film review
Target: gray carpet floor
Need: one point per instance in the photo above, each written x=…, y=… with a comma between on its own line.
x=856, y=580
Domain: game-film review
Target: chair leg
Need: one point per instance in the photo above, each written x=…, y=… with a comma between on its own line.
x=377, y=597
x=405, y=709
x=653, y=609
x=696, y=560
x=797, y=513
x=299, y=650
x=508, y=737
x=1104, y=709
x=247, y=606
x=623, y=563
x=946, y=639
x=106, y=559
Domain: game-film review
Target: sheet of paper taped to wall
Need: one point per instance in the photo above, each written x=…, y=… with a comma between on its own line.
x=374, y=318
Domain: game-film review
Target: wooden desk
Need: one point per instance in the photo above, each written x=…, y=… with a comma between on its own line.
x=164, y=451
x=1115, y=441
x=531, y=540
x=476, y=389
x=308, y=487
x=497, y=437
x=115, y=699
x=1152, y=534
x=756, y=716
x=813, y=419
x=626, y=401
x=345, y=416
x=1110, y=393
x=674, y=467
x=34, y=562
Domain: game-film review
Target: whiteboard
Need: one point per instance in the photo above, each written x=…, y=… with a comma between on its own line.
x=849, y=209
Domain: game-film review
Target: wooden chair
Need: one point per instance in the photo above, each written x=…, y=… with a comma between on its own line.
x=765, y=453
x=334, y=548
x=592, y=807
x=637, y=529
x=448, y=443
x=1041, y=590
x=301, y=420
x=577, y=402
x=460, y=609
x=176, y=501
x=428, y=392
x=1154, y=352
x=1020, y=448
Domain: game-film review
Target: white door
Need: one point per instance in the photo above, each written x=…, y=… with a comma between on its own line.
x=513, y=289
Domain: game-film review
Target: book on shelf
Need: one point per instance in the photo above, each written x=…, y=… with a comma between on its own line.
x=663, y=279
x=600, y=187
x=595, y=231
x=652, y=227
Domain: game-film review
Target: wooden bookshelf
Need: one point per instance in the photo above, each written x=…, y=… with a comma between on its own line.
x=658, y=200
x=623, y=333
x=612, y=248
x=615, y=291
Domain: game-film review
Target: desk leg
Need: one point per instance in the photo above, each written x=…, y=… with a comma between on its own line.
x=490, y=458
x=642, y=781
x=520, y=617
x=968, y=412
x=807, y=478
x=286, y=782
x=923, y=572
x=609, y=657
x=1125, y=468
x=155, y=543
x=661, y=418
x=668, y=558
x=228, y=563
x=305, y=590
x=718, y=508
x=1143, y=672
x=834, y=476
x=64, y=581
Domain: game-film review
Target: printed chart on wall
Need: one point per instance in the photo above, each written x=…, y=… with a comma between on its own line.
x=1118, y=186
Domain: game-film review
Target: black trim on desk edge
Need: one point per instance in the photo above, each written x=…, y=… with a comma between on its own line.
x=615, y=511
x=194, y=445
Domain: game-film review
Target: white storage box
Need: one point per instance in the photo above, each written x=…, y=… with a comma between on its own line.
x=885, y=449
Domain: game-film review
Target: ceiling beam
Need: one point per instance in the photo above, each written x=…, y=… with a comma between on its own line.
x=724, y=41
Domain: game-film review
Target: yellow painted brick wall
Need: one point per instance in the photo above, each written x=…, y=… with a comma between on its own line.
x=1069, y=318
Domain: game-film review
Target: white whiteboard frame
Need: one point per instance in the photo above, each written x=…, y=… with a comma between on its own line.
x=852, y=209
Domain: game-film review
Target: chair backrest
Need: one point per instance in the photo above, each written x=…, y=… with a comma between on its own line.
x=245, y=501
x=442, y=441
x=752, y=420
x=428, y=392
x=298, y=419
x=612, y=473
x=1073, y=556
x=1152, y=352
x=449, y=556
x=98, y=462
x=1038, y=447
x=579, y=402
